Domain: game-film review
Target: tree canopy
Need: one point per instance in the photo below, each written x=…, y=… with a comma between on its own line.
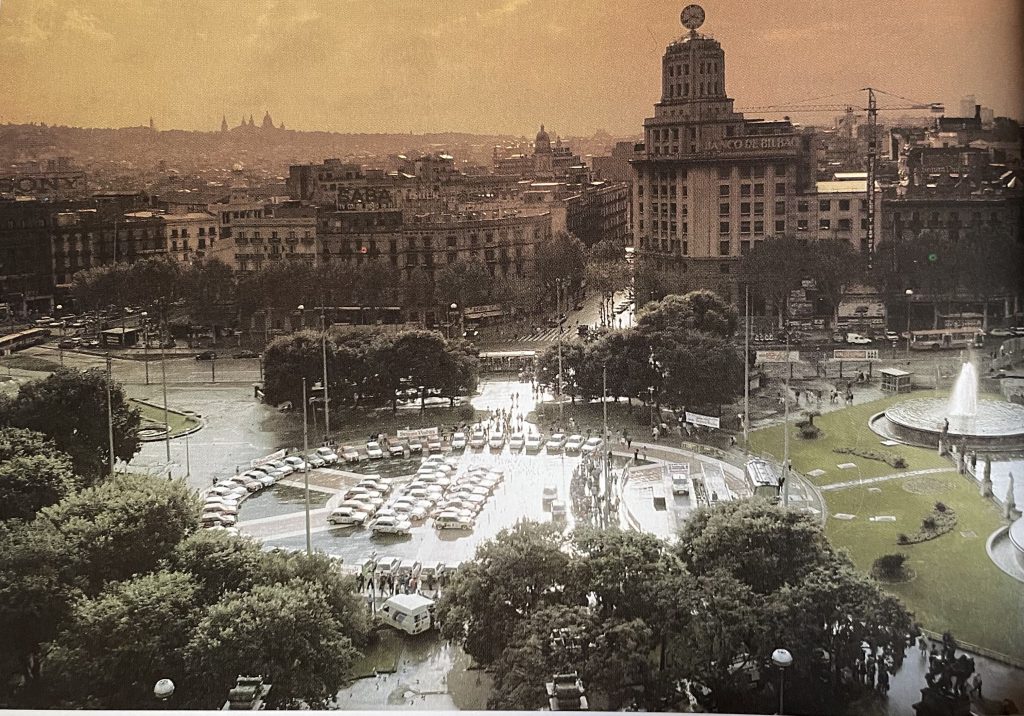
x=33, y=473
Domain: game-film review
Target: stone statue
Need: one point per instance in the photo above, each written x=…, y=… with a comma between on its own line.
x=1010, y=507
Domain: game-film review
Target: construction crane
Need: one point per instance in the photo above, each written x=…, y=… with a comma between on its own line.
x=872, y=112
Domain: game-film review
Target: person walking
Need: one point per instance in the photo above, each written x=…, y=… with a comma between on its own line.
x=976, y=684
x=922, y=645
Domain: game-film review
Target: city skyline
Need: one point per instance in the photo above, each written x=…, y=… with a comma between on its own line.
x=498, y=66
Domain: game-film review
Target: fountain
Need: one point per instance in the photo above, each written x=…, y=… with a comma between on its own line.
x=960, y=420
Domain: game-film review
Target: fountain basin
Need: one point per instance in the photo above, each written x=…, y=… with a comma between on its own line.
x=1016, y=535
x=920, y=421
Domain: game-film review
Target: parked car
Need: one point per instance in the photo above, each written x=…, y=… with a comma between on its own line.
x=434, y=444
x=415, y=446
x=347, y=516
x=246, y=354
x=432, y=569
x=533, y=443
x=297, y=463
x=314, y=461
x=327, y=455
x=68, y=343
x=282, y=466
x=497, y=440
x=249, y=483
x=264, y=479
x=408, y=568
x=516, y=442
x=1000, y=332
x=478, y=440
x=220, y=507
x=459, y=441
x=396, y=450
x=359, y=506
x=373, y=451
x=452, y=520
x=574, y=444
x=556, y=443
x=351, y=454
x=390, y=526
x=857, y=339
x=892, y=336
x=387, y=566
x=206, y=355
x=550, y=493
x=592, y=445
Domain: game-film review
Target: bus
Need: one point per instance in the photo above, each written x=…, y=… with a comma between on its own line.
x=764, y=479
x=22, y=339
x=508, y=362
x=934, y=340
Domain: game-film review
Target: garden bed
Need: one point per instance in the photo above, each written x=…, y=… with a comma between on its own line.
x=889, y=458
x=941, y=520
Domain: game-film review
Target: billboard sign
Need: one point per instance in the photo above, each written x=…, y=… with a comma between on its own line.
x=409, y=434
x=264, y=460
x=855, y=354
x=778, y=357
x=708, y=421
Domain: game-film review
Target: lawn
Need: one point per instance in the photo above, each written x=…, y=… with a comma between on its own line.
x=956, y=586
x=179, y=422
x=24, y=362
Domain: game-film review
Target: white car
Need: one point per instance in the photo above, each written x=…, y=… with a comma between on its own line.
x=415, y=446
x=459, y=441
x=550, y=493
x=410, y=511
x=327, y=455
x=478, y=440
x=574, y=444
x=210, y=519
x=556, y=443
x=221, y=508
x=497, y=440
x=390, y=526
x=297, y=463
x=533, y=443
x=434, y=444
x=359, y=506
x=477, y=500
x=396, y=450
x=282, y=466
x=215, y=499
x=516, y=442
x=265, y=479
x=373, y=451
x=315, y=461
x=347, y=516
x=249, y=483
x=351, y=454
x=592, y=445
x=374, y=486
x=451, y=520
x=387, y=566
x=857, y=339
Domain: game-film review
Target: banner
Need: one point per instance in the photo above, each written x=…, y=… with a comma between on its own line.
x=707, y=421
x=408, y=434
x=778, y=357
x=855, y=354
x=677, y=469
x=264, y=460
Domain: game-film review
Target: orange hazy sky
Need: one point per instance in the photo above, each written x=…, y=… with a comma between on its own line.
x=478, y=65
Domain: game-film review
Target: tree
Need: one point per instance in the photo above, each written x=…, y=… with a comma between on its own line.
x=652, y=283
x=122, y=527
x=607, y=273
x=463, y=283
x=33, y=473
x=218, y=563
x=209, y=290
x=116, y=645
x=699, y=370
x=70, y=406
x=835, y=265
x=702, y=311
x=773, y=268
x=512, y=575
x=287, y=633
x=560, y=257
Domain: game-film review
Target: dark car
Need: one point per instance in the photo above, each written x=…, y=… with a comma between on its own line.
x=246, y=354
x=206, y=355
x=470, y=333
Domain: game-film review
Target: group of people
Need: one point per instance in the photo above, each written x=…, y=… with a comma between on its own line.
x=389, y=585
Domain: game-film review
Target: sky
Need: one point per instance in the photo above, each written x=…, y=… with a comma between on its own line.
x=484, y=66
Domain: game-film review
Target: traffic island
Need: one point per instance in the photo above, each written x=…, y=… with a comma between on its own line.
x=153, y=427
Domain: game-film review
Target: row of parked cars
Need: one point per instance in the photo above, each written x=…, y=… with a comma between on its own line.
x=435, y=491
x=396, y=449
x=532, y=443
x=220, y=506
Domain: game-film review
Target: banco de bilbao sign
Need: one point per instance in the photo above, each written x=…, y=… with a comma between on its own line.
x=750, y=144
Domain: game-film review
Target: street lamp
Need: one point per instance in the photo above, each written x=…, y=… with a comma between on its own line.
x=909, y=294
x=453, y=307
x=163, y=691
x=302, y=316
x=783, y=660
x=145, y=343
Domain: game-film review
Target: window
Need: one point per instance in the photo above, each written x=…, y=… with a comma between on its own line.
x=686, y=248
x=745, y=190
x=824, y=205
x=759, y=171
x=780, y=226
x=844, y=225
x=844, y=205
x=174, y=234
x=744, y=227
x=212, y=231
x=744, y=247
x=759, y=208
x=744, y=172
x=745, y=208
x=723, y=268
x=723, y=190
x=780, y=188
x=758, y=227
x=864, y=224
x=723, y=248
x=202, y=231
x=780, y=208
x=803, y=206
x=202, y=242
x=780, y=170
x=801, y=225
x=724, y=172
x=723, y=209
x=758, y=189
x=723, y=227
x=824, y=224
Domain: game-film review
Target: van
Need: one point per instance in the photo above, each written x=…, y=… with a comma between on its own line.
x=410, y=613
x=558, y=511
x=497, y=440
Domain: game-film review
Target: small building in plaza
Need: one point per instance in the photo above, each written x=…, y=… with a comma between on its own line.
x=896, y=381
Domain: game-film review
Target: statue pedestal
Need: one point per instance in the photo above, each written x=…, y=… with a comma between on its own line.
x=986, y=488
x=935, y=703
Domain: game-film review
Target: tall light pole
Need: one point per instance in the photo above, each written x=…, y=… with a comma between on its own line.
x=606, y=448
x=909, y=293
x=558, y=319
x=453, y=307
x=145, y=343
x=110, y=415
x=746, y=368
x=167, y=422
x=305, y=461
x=327, y=399
x=785, y=428
x=783, y=660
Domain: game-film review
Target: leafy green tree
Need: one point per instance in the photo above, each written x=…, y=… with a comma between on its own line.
x=462, y=282
x=209, y=290
x=70, y=407
x=33, y=473
x=514, y=574
x=701, y=311
x=122, y=527
x=607, y=273
x=116, y=645
x=577, y=370
x=834, y=266
x=33, y=602
x=700, y=370
x=218, y=563
x=562, y=256
x=773, y=268
x=288, y=633
x=653, y=283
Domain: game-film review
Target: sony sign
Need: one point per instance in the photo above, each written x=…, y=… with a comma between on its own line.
x=43, y=183
x=753, y=144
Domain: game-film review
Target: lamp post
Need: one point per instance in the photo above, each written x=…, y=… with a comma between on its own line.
x=60, y=348
x=305, y=460
x=145, y=343
x=327, y=398
x=783, y=660
x=453, y=307
x=746, y=367
x=558, y=319
x=909, y=293
x=110, y=414
x=785, y=428
x=167, y=422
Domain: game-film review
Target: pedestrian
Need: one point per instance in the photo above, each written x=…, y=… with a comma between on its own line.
x=922, y=645
x=636, y=455
x=654, y=433
x=732, y=441
x=796, y=395
x=976, y=684
x=644, y=455
x=883, y=680
x=629, y=442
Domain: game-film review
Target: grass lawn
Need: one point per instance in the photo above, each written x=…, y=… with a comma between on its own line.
x=24, y=362
x=956, y=587
x=179, y=422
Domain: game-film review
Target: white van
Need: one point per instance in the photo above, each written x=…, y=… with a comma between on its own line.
x=410, y=613
x=497, y=440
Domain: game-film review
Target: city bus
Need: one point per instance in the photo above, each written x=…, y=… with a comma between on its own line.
x=22, y=339
x=764, y=479
x=508, y=361
x=934, y=340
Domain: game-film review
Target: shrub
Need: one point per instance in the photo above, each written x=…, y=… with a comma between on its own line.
x=889, y=566
x=810, y=432
x=901, y=538
x=940, y=507
x=928, y=524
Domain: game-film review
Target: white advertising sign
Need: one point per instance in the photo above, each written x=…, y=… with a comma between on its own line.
x=264, y=460
x=707, y=421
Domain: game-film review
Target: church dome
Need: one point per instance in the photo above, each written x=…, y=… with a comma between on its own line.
x=543, y=142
